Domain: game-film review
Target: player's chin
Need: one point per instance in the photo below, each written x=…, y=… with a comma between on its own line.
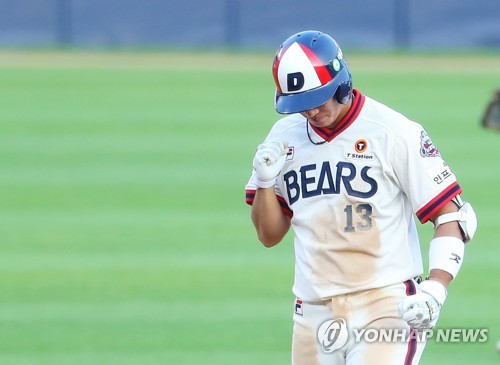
x=321, y=122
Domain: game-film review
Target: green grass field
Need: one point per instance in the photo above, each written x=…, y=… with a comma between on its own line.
x=124, y=236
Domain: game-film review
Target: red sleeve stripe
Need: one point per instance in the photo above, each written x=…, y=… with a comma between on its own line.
x=250, y=196
x=438, y=202
x=284, y=207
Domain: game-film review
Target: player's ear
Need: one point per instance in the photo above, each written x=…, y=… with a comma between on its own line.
x=344, y=93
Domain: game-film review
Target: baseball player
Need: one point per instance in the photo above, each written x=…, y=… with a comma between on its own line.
x=347, y=173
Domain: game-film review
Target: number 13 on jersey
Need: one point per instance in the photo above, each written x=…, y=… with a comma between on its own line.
x=363, y=217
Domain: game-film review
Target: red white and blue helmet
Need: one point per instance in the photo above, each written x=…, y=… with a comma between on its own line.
x=309, y=69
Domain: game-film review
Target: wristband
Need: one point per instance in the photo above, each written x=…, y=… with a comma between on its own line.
x=446, y=253
x=264, y=184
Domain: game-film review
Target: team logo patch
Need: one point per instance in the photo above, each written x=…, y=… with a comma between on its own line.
x=360, y=146
x=290, y=153
x=298, y=307
x=427, y=148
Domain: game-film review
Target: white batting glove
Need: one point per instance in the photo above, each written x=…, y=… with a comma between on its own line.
x=421, y=311
x=268, y=161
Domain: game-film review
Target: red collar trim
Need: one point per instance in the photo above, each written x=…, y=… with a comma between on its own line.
x=329, y=134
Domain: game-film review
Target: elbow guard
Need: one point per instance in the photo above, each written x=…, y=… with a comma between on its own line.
x=466, y=218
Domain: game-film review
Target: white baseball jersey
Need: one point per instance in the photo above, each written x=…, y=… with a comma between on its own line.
x=351, y=196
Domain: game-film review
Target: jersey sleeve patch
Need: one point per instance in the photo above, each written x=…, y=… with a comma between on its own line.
x=438, y=202
x=440, y=175
x=427, y=148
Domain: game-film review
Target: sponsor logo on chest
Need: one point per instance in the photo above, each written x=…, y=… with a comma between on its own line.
x=359, y=153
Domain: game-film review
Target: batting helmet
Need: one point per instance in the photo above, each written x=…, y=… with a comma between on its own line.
x=309, y=69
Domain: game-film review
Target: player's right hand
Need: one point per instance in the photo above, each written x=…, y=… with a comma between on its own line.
x=268, y=161
x=421, y=311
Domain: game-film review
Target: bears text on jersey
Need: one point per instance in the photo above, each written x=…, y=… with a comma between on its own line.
x=303, y=183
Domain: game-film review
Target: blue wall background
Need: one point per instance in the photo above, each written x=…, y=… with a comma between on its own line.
x=386, y=24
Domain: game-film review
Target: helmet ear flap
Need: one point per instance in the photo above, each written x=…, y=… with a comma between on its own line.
x=344, y=92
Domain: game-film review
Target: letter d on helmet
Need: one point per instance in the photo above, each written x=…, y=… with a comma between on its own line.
x=309, y=69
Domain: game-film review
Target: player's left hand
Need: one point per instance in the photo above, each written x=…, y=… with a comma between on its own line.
x=421, y=311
